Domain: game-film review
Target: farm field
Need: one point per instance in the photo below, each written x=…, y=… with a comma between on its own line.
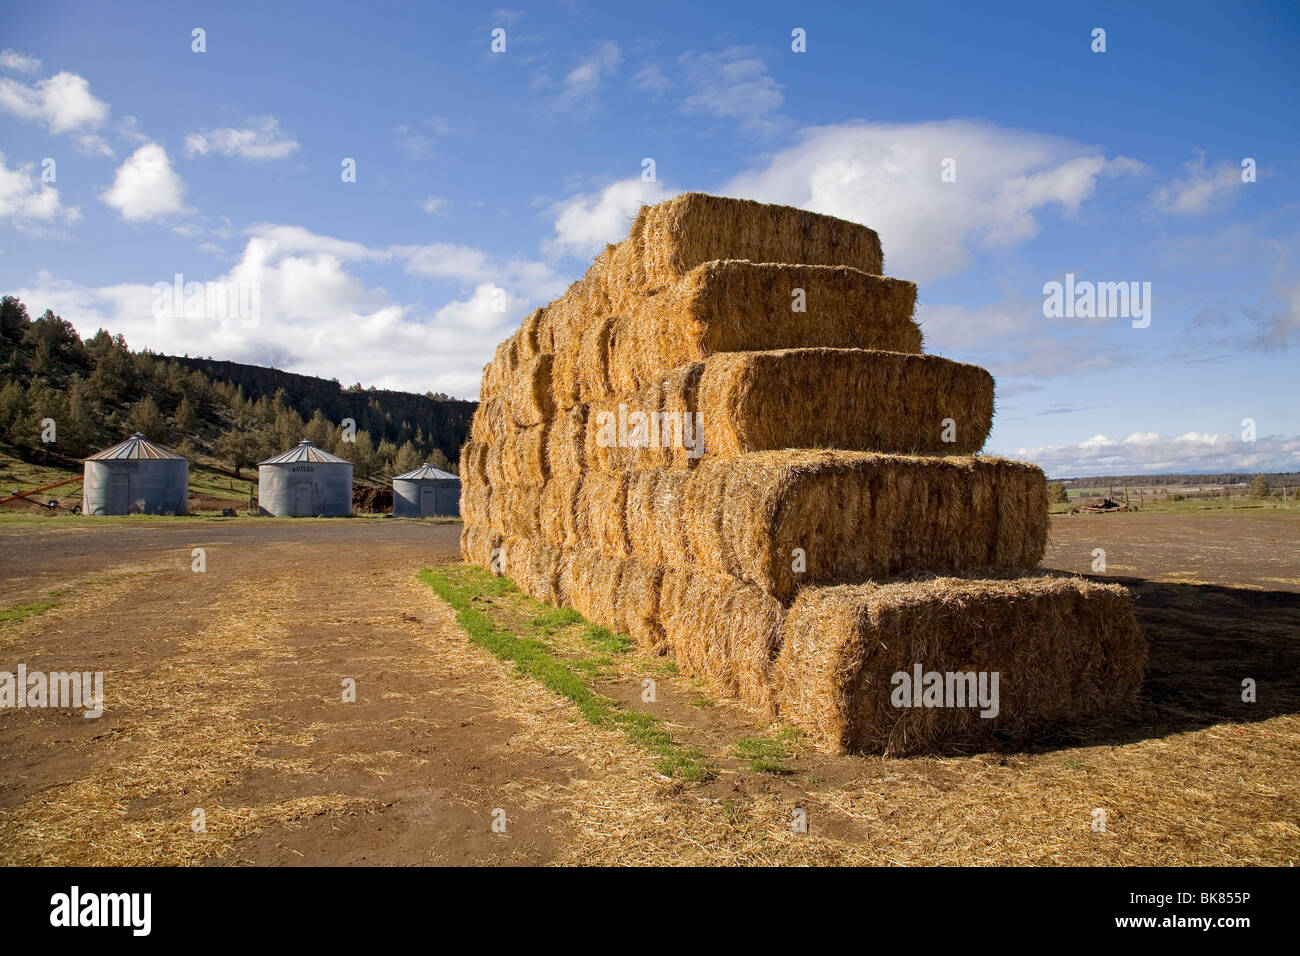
x=223, y=695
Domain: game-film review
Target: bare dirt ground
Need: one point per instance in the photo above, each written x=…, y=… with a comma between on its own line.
x=224, y=695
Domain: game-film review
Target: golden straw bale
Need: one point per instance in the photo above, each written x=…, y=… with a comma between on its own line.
x=566, y=456
x=1063, y=648
x=723, y=631
x=477, y=544
x=859, y=516
x=529, y=395
x=669, y=239
x=600, y=513
x=514, y=510
x=850, y=399
x=557, y=516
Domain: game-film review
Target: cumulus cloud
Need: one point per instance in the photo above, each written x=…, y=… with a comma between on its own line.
x=733, y=84
x=888, y=176
x=145, y=187
x=18, y=62
x=319, y=317
x=260, y=139
x=62, y=102
x=585, y=223
x=1152, y=453
x=582, y=82
x=1200, y=189
x=27, y=203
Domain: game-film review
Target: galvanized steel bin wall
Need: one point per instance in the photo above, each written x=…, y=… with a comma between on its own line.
x=426, y=492
x=305, y=482
x=136, y=477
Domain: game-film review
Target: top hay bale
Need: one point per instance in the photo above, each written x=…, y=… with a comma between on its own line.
x=672, y=238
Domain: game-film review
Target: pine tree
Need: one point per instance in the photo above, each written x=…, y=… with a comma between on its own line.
x=146, y=418
x=406, y=459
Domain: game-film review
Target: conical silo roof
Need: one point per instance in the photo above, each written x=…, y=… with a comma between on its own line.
x=425, y=472
x=137, y=446
x=304, y=451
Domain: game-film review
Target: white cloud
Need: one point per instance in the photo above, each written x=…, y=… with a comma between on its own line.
x=733, y=84
x=318, y=317
x=1151, y=453
x=25, y=200
x=581, y=83
x=585, y=223
x=62, y=102
x=145, y=187
x=1200, y=190
x=435, y=205
x=652, y=79
x=887, y=176
x=18, y=62
x=261, y=139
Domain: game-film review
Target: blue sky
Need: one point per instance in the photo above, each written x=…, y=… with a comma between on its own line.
x=485, y=176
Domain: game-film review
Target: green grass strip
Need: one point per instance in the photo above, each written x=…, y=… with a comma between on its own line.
x=15, y=613
x=459, y=585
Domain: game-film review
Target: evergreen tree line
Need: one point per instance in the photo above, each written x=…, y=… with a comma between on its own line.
x=99, y=391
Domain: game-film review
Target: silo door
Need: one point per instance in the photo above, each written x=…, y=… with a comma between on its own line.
x=119, y=500
x=303, y=506
x=427, y=502
x=448, y=499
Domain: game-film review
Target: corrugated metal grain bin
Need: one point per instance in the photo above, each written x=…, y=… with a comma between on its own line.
x=304, y=482
x=426, y=492
x=136, y=477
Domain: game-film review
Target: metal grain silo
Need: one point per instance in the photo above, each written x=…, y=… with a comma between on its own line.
x=136, y=476
x=426, y=492
x=304, y=482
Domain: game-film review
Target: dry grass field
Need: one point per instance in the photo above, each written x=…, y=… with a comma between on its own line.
x=224, y=694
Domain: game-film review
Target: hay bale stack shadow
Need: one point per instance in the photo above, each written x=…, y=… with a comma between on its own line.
x=724, y=441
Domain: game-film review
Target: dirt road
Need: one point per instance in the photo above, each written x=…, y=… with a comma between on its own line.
x=225, y=707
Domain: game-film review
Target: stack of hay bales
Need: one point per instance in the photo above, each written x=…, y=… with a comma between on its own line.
x=725, y=442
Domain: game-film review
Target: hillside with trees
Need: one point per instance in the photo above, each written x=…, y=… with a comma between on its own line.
x=98, y=391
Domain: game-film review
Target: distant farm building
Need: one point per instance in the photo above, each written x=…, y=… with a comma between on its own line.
x=426, y=492
x=304, y=482
x=136, y=477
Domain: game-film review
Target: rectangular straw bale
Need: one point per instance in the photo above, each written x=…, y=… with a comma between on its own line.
x=533, y=566
x=655, y=504
x=498, y=372
x=477, y=544
x=475, y=502
x=589, y=584
x=529, y=344
x=669, y=239
x=566, y=456
x=490, y=420
x=638, y=602
x=851, y=399
x=473, y=462
x=529, y=396
x=514, y=510
x=518, y=457
x=735, y=306
x=856, y=516
x=654, y=427
x=722, y=630
x=557, y=511
x=1064, y=648
x=600, y=513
